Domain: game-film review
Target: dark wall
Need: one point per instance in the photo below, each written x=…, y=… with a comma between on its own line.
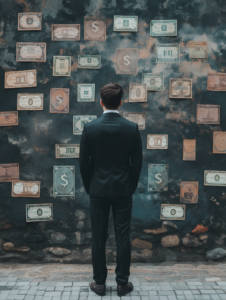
x=32, y=143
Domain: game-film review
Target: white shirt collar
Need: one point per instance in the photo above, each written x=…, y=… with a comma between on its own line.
x=111, y=111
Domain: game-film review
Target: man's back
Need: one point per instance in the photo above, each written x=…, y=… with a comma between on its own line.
x=115, y=150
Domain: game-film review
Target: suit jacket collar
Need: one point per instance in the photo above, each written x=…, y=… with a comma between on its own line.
x=112, y=115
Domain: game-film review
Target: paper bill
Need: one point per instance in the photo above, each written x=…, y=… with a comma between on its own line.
x=219, y=142
x=215, y=178
x=168, y=53
x=136, y=117
x=158, y=177
x=80, y=121
x=9, y=172
x=29, y=21
x=180, y=88
x=198, y=50
x=157, y=141
x=173, y=212
x=39, y=212
x=126, y=60
x=26, y=189
x=9, y=118
x=63, y=181
x=61, y=65
x=137, y=92
x=216, y=82
x=86, y=92
x=31, y=52
x=20, y=79
x=30, y=101
x=59, y=101
x=189, y=149
x=67, y=151
x=89, y=61
x=208, y=114
x=189, y=192
x=65, y=32
x=163, y=28
x=94, y=28
x=154, y=82
x=126, y=23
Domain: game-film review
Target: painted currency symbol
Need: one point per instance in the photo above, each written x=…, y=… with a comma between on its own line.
x=62, y=177
x=59, y=99
x=94, y=24
x=127, y=62
x=157, y=176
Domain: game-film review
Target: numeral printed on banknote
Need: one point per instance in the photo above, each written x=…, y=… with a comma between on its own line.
x=180, y=88
x=172, y=212
x=65, y=32
x=163, y=28
x=20, y=79
x=79, y=122
x=219, y=142
x=67, y=151
x=9, y=172
x=62, y=66
x=198, y=50
x=157, y=141
x=89, y=61
x=136, y=117
x=168, y=53
x=126, y=61
x=59, y=101
x=137, y=92
x=216, y=82
x=158, y=177
x=63, y=181
x=189, y=192
x=208, y=114
x=86, y=93
x=154, y=82
x=39, y=212
x=30, y=101
x=94, y=28
x=30, y=21
x=9, y=118
x=31, y=52
x=126, y=23
x=26, y=189
x=215, y=178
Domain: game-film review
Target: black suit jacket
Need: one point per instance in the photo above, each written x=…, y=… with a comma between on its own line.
x=110, y=156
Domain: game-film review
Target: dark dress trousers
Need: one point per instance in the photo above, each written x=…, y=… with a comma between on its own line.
x=110, y=164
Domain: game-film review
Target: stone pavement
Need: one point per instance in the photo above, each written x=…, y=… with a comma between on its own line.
x=206, y=281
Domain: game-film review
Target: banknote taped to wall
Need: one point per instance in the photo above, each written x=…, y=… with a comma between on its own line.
x=219, y=142
x=59, y=100
x=136, y=117
x=63, y=181
x=158, y=177
x=9, y=172
x=79, y=121
x=20, y=79
x=214, y=178
x=94, y=28
x=216, y=82
x=137, y=92
x=126, y=23
x=157, y=141
x=189, y=149
x=208, y=114
x=29, y=21
x=30, y=101
x=30, y=52
x=39, y=212
x=26, y=189
x=65, y=32
x=9, y=118
x=180, y=88
x=189, y=192
x=126, y=61
x=173, y=212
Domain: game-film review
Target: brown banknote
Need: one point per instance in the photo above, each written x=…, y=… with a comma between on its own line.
x=189, y=149
x=65, y=32
x=216, y=82
x=9, y=172
x=208, y=114
x=94, y=28
x=59, y=101
x=189, y=192
x=9, y=118
x=219, y=142
x=26, y=189
x=20, y=79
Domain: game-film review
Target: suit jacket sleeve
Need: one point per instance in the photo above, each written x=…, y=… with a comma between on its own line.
x=84, y=161
x=136, y=160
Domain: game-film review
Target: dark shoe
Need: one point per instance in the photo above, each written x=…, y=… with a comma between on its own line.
x=124, y=289
x=98, y=289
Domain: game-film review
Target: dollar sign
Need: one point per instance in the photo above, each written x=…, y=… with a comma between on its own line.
x=62, y=177
x=126, y=58
x=96, y=28
x=59, y=99
x=157, y=176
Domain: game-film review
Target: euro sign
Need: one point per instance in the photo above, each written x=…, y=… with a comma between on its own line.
x=66, y=182
x=59, y=99
x=94, y=24
x=157, y=176
x=127, y=61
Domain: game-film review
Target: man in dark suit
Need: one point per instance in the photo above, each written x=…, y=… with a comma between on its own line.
x=110, y=164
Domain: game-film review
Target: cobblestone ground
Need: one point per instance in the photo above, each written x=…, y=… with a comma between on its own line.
x=71, y=282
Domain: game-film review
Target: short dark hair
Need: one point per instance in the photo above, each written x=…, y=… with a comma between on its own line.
x=111, y=95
